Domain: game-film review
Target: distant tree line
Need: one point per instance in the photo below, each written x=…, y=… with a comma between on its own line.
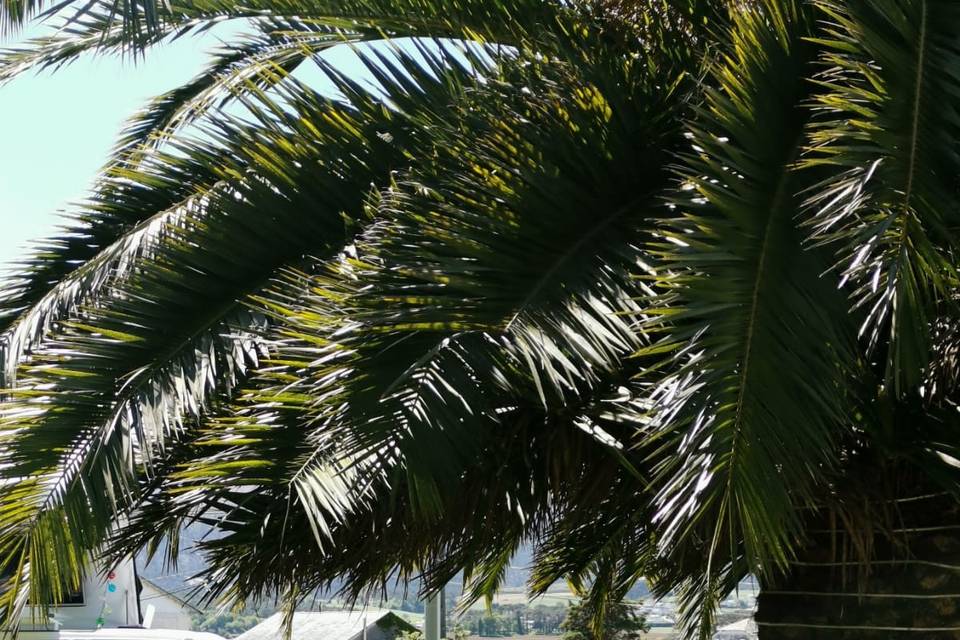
x=226, y=623
x=515, y=619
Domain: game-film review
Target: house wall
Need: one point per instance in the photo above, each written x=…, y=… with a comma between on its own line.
x=168, y=612
x=375, y=632
x=113, y=608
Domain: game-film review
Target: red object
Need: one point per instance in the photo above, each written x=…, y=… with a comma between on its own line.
x=111, y=575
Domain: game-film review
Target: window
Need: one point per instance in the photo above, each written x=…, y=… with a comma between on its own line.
x=73, y=598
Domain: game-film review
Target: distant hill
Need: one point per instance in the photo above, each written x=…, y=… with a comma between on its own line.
x=177, y=579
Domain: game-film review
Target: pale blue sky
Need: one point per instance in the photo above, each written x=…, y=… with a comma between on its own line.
x=56, y=128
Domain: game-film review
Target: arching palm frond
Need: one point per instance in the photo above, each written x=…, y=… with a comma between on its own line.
x=261, y=58
x=750, y=418
x=97, y=26
x=560, y=275
x=888, y=135
x=283, y=41
x=132, y=347
x=406, y=370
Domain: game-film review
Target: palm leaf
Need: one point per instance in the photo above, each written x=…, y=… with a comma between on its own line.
x=399, y=365
x=148, y=347
x=391, y=365
x=755, y=397
x=889, y=116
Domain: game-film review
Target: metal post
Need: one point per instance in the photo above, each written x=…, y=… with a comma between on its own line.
x=432, y=627
x=443, y=612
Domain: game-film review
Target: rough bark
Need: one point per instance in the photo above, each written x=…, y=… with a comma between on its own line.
x=897, y=576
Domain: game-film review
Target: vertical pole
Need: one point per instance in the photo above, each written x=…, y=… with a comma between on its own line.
x=432, y=625
x=443, y=612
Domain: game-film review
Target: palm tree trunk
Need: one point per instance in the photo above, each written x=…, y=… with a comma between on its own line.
x=909, y=587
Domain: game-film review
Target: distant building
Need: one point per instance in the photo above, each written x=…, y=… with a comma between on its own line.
x=745, y=629
x=660, y=621
x=110, y=607
x=528, y=637
x=370, y=624
x=164, y=609
x=101, y=601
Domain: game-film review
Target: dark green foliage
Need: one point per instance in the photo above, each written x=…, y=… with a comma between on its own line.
x=506, y=620
x=619, y=622
x=226, y=624
x=647, y=284
x=892, y=222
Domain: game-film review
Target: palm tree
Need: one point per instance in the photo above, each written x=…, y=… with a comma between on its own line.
x=665, y=288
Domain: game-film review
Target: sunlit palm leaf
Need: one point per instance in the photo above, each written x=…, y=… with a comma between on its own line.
x=887, y=133
x=392, y=368
x=127, y=364
x=750, y=419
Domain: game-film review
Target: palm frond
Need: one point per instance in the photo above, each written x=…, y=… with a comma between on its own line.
x=463, y=241
x=117, y=216
x=399, y=364
x=261, y=59
x=756, y=386
x=889, y=115
x=109, y=26
x=154, y=342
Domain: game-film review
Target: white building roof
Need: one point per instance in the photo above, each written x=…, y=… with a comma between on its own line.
x=119, y=634
x=747, y=624
x=325, y=625
x=740, y=630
